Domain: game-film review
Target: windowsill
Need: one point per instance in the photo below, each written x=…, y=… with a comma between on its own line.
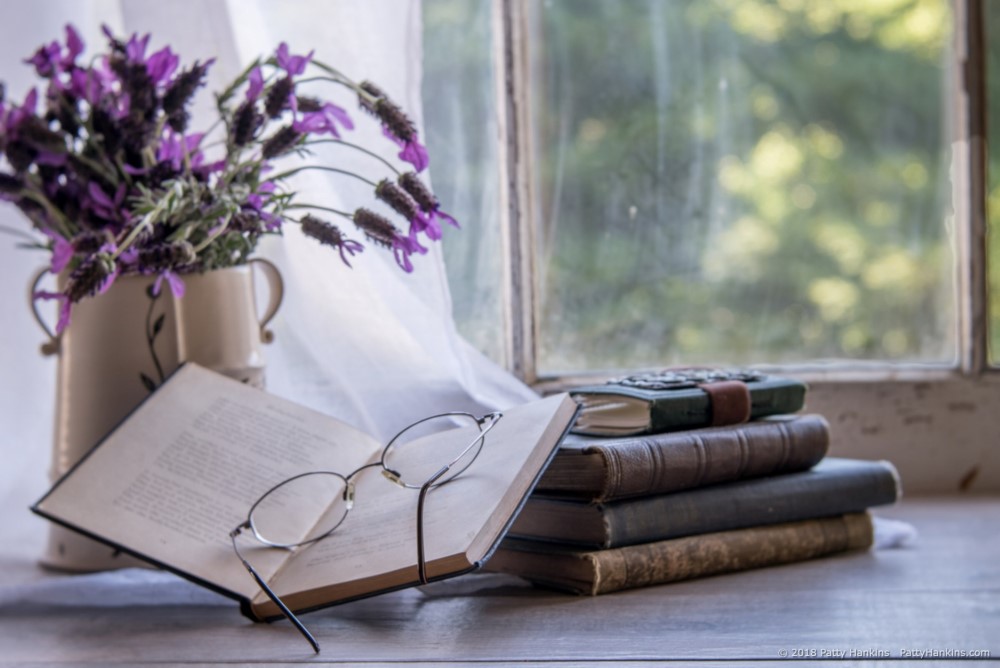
x=940, y=593
x=937, y=427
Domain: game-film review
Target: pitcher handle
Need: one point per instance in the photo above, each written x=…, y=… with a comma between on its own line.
x=276, y=292
x=50, y=347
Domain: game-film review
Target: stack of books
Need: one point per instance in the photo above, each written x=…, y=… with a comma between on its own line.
x=644, y=493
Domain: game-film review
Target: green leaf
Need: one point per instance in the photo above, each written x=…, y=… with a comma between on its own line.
x=158, y=325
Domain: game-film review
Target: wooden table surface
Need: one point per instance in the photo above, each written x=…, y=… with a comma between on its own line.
x=942, y=593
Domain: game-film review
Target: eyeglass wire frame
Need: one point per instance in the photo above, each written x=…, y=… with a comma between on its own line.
x=485, y=424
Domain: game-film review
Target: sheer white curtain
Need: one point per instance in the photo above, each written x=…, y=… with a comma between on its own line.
x=371, y=345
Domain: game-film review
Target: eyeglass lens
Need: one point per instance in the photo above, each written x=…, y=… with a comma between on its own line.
x=317, y=494
x=422, y=449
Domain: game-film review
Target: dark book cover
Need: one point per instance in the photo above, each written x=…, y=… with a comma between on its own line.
x=834, y=487
x=684, y=399
x=607, y=469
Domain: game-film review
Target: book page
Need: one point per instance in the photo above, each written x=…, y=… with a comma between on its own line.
x=375, y=548
x=183, y=470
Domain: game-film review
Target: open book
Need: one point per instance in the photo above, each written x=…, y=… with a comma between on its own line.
x=176, y=476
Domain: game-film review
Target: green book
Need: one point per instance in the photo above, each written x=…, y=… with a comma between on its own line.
x=683, y=399
x=835, y=486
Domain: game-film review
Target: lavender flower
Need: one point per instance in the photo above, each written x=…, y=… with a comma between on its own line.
x=280, y=97
x=404, y=205
x=396, y=125
x=93, y=276
x=90, y=241
x=246, y=121
x=109, y=160
x=329, y=235
x=309, y=104
x=256, y=84
x=46, y=60
x=428, y=202
x=280, y=143
x=180, y=92
x=294, y=65
x=165, y=256
x=383, y=233
x=173, y=280
x=324, y=120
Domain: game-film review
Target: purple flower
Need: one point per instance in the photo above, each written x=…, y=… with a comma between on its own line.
x=90, y=85
x=294, y=65
x=19, y=113
x=161, y=65
x=256, y=86
x=173, y=280
x=74, y=46
x=62, y=252
x=173, y=149
x=428, y=203
x=65, y=307
x=413, y=151
x=330, y=235
x=324, y=120
x=403, y=248
x=104, y=206
x=256, y=201
x=135, y=50
x=47, y=60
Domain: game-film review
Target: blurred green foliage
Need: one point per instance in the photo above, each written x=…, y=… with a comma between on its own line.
x=740, y=181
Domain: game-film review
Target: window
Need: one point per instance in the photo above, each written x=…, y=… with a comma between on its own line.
x=761, y=181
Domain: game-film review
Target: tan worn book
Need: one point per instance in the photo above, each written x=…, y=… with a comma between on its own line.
x=606, y=469
x=170, y=483
x=596, y=572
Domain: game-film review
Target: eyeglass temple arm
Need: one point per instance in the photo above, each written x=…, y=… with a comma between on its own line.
x=493, y=418
x=271, y=595
x=421, y=557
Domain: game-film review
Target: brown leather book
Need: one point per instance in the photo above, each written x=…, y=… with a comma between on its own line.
x=604, y=469
x=596, y=572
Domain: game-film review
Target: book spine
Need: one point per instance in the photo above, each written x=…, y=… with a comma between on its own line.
x=674, y=461
x=796, y=496
x=725, y=552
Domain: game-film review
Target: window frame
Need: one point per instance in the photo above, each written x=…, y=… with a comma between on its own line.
x=935, y=422
x=520, y=209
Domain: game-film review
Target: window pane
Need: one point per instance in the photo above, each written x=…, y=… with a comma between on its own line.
x=992, y=15
x=460, y=121
x=742, y=181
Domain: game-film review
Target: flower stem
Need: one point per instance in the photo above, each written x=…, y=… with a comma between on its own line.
x=318, y=207
x=355, y=146
x=222, y=98
x=64, y=227
x=151, y=336
x=214, y=235
x=18, y=233
x=292, y=172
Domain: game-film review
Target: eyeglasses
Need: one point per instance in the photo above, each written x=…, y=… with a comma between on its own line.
x=429, y=453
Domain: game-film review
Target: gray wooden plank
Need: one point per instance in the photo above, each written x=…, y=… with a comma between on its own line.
x=941, y=593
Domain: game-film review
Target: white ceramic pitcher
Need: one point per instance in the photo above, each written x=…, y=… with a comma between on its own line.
x=119, y=344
